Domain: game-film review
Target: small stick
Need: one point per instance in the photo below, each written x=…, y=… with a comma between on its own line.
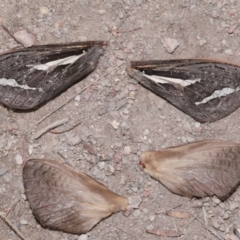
x=53, y=125
x=13, y=206
x=188, y=223
x=163, y=211
x=62, y=105
x=126, y=31
x=125, y=232
x=7, y=221
x=125, y=17
x=176, y=227
x=209, y=229
x=205, y=216
x=10, y=33
x=66, y=130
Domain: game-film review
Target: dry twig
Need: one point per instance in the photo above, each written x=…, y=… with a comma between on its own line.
x=10, y=33
x=46, y=129
x=8, y=222
x=126, y=31
x=209, y=228
x=68, y=129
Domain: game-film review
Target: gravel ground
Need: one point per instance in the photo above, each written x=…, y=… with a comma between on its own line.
x=119, y=118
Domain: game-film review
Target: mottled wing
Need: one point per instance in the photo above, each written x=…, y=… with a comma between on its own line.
x=206, y=90
x=63, y=199
x=198, y=169
x=29, y=77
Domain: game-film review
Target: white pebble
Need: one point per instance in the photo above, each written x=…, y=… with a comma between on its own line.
x=202, y=42
x=23, y=196
x=229, y=52
x=150, y=227
x=127, y=150
x=44, y=10
x=83, y=237
x=23, y=222
x=170, y=44
x=115, y=124
x=146, y=132
x=197, y=124
x=102, y=11
x=137, y=213
x=19, y=159
x=111, y=169
x=77, y=98
x=101, y=165
x=30, y=149
x=152, y=217
x=134, y=201
x=24, y=37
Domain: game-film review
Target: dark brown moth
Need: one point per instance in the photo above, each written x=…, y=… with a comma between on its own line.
x=206, y=90
x=210, y=167
x=66, y=200
x=29, y=77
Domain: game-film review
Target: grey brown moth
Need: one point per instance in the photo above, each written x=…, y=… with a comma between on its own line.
x=206, y=90
x=29, y=77
x=66, y=200
x=210, y=167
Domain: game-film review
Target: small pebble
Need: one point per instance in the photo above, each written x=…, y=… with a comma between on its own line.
x=150, y=227
x=127, y=150
x=74, y=140
x=134, y=201
x=197, y=124
x=233, y=206
x=44, y=10
x=24, y=37
x=202, y=42
x=30, y=149
x=216, y=200
x=229, y=52
x=111, y=169
x=115, y=124
x=102, y=11
x=77, y=98
x=120, y=54
x=170, y=44
x=83, y=237
x=137, y=213
x=146, y=132
x=101, y=165
x=23, y=222
x=23, y=196
x=184, y=140
x=19, y=159
x=152, y=217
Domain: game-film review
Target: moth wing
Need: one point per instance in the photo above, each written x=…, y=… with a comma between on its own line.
x=207, y=90
x=203, y=168
x=63, y=199
x=32, y=76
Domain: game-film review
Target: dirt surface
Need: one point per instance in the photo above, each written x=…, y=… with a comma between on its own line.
x=119, y=118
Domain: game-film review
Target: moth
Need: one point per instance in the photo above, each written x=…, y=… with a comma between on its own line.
x=210, y=167
x=29, y=77
x=206, y=90
x=66, y=200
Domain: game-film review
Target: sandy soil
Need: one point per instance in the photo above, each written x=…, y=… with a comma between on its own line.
x=135, y=30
